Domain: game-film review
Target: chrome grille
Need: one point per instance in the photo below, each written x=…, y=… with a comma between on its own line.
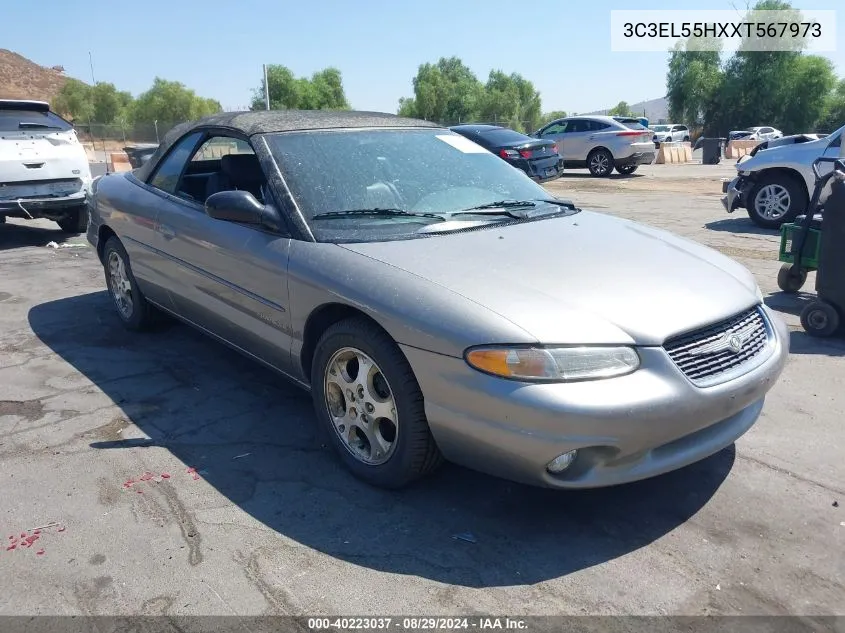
x=706, y=354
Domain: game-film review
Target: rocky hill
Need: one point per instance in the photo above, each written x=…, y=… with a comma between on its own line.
x=21, y=78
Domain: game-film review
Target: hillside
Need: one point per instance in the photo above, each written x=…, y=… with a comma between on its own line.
x=22, y=79
x=656, y=110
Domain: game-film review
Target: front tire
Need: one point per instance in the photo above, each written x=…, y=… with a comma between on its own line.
x=791, y=278
x=75, y=222
x=600, y=163
x=370, y=406
x=775, y=200
x=627, y=169
x=133, y=309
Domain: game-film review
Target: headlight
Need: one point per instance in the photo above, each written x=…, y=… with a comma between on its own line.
x=554, y=363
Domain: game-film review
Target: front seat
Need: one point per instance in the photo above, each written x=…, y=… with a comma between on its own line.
x=237, y=172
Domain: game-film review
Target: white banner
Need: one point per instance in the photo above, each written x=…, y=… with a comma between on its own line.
x=726, y=30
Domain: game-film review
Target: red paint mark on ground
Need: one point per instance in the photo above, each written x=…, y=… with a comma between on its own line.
x=165, y=475
x=139, y=491
x=11, y=547
x=37, y=532
x=146, y=476
x=40, y=552
x=128, y=483
x=61, y=529
x=23, y=534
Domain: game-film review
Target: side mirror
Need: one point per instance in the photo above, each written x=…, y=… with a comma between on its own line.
x=234, y=206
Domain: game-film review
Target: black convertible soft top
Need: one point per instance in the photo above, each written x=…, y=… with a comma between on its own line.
x=269, y=121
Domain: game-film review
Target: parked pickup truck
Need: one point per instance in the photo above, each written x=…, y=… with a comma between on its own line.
x=774, y=183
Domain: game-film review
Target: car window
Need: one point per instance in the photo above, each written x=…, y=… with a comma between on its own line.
x=219, y=146
x=633, y=124
x=765, y=130
x=167, y=174
x=597, y=126
x=558, y=127
x=578, y=125
x=31, y=120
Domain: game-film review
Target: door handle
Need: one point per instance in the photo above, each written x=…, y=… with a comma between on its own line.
x=166, y=231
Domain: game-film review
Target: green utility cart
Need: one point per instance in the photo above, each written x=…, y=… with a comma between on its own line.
x=792, y=274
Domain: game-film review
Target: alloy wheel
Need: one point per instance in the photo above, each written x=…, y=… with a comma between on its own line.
x=361, y=405
x=120, y=286
x=772, y=202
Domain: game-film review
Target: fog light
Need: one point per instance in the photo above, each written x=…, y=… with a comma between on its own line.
x=561, y=462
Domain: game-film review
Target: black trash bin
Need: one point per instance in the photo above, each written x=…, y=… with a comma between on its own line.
x=711, y=150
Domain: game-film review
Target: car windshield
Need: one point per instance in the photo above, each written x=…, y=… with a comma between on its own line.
x=661, y=128
x=17, y=120
x=388, y=184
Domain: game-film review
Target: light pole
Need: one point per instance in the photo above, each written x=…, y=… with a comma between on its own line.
x=266, y=90
x=156, y=126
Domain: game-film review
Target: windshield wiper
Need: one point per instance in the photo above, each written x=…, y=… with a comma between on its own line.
x=507, y=207
x=376, y=212
x=29, y=124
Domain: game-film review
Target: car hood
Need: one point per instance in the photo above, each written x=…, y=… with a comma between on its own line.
x=585, y=278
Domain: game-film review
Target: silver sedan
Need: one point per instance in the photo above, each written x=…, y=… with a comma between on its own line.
x=438, y=303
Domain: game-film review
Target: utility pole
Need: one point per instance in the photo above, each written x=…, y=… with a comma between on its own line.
x=91, y=63
x=266, y=90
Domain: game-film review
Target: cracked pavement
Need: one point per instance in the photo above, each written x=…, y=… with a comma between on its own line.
x=272, y=524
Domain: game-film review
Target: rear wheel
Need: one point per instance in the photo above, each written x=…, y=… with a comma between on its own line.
x=600, y=163
x=791, y=277
x=369, y=403
x=75, y=222
x=820, y=319
x=627, y=169
x=775, y=199
x=133, y=309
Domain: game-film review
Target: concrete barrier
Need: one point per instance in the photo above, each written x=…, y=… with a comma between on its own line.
x=738, y=149
x=680, y=152
x=119, y=161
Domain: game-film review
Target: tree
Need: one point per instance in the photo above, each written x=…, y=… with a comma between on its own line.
x=108, y=103
x=74, y=101
x=323, y=91
x=447, y=92
x=171, y=102
x=766, y=82
x=834, y=112
x=620, y=109
x=511, y=100
x=554, y=115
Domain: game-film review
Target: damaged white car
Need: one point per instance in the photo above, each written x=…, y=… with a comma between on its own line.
x=44, y=171
x=774, y=183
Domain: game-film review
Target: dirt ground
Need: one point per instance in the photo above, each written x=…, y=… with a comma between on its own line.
x=269, y=523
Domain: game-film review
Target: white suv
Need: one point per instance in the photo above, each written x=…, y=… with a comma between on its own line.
x=600, y=143
x=44, y=171
x=670, y=133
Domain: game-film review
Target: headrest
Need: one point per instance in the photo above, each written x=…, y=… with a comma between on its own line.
x=241, y=167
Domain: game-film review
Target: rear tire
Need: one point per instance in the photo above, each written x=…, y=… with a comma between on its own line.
x=388, y=451
x=820, y=319
x=627, y=169
x=600, y=163
x=791, y=278
x=775, y=199
x=133, y=309
x=75, y=222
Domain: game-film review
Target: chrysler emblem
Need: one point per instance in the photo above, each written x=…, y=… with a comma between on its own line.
x=735, y=343
x=730, y=341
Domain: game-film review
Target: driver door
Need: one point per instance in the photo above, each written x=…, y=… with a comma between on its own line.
x=229, y=279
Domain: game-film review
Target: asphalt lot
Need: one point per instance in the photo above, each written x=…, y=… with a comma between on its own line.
x=272, y=524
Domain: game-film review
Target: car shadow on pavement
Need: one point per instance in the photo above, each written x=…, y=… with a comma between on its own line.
x=251, y=436
x=738, y=225
x=20, y=235
x=587, y=175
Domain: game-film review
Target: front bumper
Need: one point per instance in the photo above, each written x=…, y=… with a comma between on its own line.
x=733, y=189
x=647, y=423
x=52, y=208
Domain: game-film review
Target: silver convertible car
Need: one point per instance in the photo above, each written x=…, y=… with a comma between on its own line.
x=436, y=302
